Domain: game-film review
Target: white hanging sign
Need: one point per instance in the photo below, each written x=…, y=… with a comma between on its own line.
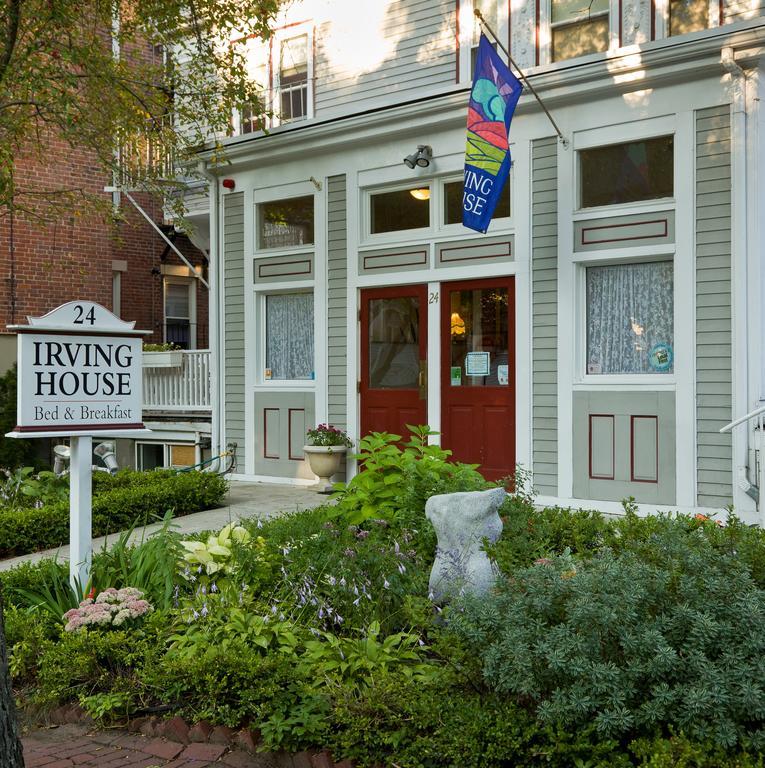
x=79, y=372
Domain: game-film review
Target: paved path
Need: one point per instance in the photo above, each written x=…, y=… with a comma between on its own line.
x=244, y=500
x=73, y=746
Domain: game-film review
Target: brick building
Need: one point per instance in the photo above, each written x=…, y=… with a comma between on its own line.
x=121, y=262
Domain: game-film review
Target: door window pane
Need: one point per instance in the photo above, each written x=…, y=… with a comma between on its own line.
x=402, y=209
x=479, y=338
x=625, y=173
x=630, y=318
x=688, y=16
x=285, y=223
x=394, y=343
x=453, y=202
x=289, y=335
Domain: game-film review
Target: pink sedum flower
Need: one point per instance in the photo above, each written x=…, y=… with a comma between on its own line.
x=111, y=608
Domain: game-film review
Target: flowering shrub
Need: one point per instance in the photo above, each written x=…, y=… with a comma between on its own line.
x=111, y=608
x=326, y=434
x=215, y=554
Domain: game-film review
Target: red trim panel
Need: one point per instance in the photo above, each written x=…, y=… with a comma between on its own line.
x=289, y=433
x=632, y=451
x=664, y=233
x=613, y=446
x=266, y=454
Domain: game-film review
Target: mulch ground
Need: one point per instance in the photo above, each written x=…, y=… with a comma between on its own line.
x=70, y=746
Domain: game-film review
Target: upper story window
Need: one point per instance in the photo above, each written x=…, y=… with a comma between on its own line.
x=627, y=173
x=286, y=223
x=578, y=27
x=680, y=17
x=283, y=68
x=292, y=86
x=180, y=312
x=495, y=12
x=399, y=210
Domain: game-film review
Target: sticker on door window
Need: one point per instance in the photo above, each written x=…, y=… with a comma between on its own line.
x=502, y=377
x=660, y=357
x=477, y=364
x=456, y=376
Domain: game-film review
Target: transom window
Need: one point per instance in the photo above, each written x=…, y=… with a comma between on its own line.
x=578, y=27
x=630, y=318
x=289, y=336
x=626, y=173
x=286, y=223
x=400, y=210
x=453, y=191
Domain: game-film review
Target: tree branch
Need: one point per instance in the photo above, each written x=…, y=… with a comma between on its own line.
x=11, y=35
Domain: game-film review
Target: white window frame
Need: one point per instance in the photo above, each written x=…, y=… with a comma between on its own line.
x=546, y=27
x=603, y=259
x=190, y=283
x=271, y=90
x=466, y=41
x=167, y=453
x=281, y=36
x=260, y=296
x=661, y=29
x=605, y=137
x=289, y=249
x=398, y=235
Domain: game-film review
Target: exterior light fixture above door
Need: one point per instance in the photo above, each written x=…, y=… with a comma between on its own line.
x=421, y=157
x=420, y=194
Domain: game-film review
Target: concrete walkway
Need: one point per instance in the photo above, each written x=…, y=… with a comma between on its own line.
x=244, y=500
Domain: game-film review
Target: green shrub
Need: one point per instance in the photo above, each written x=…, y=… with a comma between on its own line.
x=629, y=645
x=392, y=478
x=13, y=453
x=133, y=498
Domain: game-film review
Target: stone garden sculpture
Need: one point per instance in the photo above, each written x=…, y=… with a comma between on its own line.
x=462, y=521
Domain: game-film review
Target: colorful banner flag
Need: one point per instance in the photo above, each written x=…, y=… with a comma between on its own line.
x=493, y=97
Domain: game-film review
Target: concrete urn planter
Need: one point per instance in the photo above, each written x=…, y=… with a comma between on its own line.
x=325, y=461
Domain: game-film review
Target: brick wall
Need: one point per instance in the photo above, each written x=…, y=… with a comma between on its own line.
x=70, y=255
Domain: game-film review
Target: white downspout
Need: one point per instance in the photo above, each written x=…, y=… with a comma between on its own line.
x=217, y=432
x=739, y=275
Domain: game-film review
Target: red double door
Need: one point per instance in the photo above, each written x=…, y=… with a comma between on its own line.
x=477, y=368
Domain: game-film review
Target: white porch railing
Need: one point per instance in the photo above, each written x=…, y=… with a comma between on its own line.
x=184, y=388
x=758, y=417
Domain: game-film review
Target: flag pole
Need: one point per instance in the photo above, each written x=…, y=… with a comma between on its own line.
x=525, y=80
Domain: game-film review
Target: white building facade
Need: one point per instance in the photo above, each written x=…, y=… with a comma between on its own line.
x=600, y=334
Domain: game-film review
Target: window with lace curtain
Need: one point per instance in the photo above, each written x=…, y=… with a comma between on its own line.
x=289, y=336
x=630, y=318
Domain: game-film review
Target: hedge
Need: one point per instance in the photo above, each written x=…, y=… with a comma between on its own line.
x=119, y=502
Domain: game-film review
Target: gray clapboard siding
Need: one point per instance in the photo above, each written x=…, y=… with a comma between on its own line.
x=421, y=56
x=233, y=282
x=544, y=286
x=714, y=395
x=337, y=301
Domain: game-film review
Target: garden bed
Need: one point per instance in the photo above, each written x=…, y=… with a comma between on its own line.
x=627, y=642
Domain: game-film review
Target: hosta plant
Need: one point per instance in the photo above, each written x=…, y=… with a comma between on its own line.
x=214, y=554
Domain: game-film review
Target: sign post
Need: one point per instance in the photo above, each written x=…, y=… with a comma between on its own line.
x=79, y=376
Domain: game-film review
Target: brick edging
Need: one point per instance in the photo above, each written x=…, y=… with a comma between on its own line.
x=177, y=730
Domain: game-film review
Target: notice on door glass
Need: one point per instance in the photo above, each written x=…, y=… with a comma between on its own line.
x=477, y=364
x=502, y=378
x=456, y=376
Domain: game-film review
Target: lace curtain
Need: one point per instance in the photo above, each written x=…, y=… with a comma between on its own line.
x=289, y=335
x=630, y=325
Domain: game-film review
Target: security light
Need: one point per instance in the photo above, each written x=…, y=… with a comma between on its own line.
x=421, y=157
x=105, y=452
x=62, y=455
